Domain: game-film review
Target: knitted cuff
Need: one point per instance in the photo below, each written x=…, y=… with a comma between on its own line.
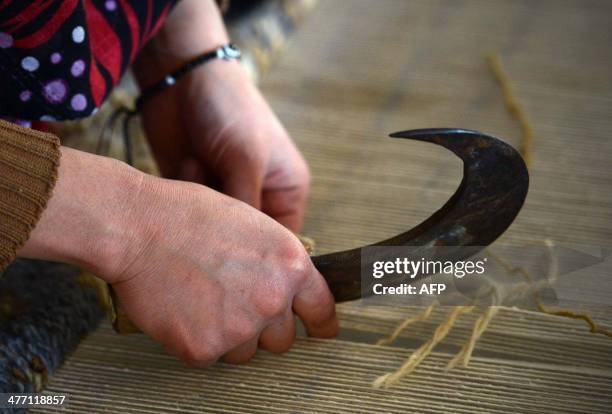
x=29, y=161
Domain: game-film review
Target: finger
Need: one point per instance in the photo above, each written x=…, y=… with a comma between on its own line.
x=245, y=184
x=315, y=305
x=242, y=353
x=279, y=337
x=286, y=205
x=188, y=358
x=191, y=170
x=286, y=189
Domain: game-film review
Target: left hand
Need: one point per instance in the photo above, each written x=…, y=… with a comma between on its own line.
x=215, y=128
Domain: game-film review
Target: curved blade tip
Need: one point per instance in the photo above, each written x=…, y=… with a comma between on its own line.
x=427, y=133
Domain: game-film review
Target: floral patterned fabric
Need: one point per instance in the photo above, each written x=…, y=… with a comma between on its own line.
x=59, y=59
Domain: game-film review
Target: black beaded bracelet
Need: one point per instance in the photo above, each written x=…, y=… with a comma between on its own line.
x=226, y=52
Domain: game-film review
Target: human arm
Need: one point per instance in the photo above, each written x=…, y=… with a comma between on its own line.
x=214, y=126
x=202, y=273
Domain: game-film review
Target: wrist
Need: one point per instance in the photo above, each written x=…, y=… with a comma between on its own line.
x=193, y=28
x=85, y=221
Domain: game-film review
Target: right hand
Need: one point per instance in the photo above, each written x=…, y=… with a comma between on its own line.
x=210, y=275
x=202, y=273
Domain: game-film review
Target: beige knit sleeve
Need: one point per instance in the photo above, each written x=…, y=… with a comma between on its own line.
x=29, y=161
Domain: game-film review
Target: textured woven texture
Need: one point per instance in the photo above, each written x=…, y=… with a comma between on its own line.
x=111, y=374
x=45, y=312
x=352, y=75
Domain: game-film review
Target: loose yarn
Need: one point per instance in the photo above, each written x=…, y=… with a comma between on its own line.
x=513, y=106
x=387, y=380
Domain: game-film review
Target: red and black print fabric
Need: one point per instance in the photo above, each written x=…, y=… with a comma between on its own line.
x=59, y=59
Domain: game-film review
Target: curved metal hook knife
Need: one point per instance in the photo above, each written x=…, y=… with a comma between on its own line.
x=492, y=192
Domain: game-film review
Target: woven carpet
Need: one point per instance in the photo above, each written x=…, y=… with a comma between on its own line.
x=356, y=71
